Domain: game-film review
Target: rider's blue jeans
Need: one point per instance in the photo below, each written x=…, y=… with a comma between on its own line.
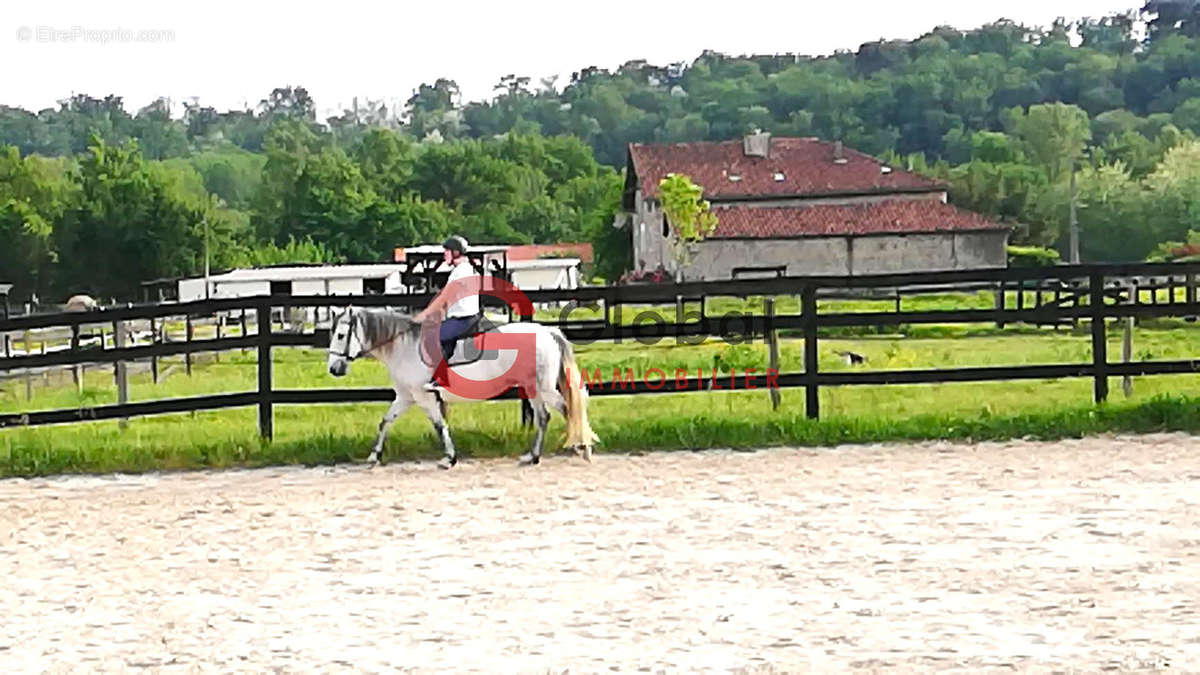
x=451, y=330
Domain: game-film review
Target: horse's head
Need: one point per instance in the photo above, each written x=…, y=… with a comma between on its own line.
x=345, y=342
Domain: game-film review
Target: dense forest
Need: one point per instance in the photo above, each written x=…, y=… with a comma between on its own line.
x=96, y=198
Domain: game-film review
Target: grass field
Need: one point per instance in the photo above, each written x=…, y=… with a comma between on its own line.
x=321, y=434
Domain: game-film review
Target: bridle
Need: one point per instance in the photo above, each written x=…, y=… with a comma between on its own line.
x=345, y=353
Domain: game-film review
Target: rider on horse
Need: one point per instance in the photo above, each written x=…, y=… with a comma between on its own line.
x=461, y=308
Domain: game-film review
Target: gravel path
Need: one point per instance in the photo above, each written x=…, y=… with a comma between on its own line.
x=1076, y=555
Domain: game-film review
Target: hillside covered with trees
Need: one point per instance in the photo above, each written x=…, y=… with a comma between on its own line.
x=97, y=198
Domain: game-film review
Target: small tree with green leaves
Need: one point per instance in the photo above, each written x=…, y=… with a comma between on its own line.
x=688, y=215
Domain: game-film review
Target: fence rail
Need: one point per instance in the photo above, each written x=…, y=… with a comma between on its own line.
x=1062, y=294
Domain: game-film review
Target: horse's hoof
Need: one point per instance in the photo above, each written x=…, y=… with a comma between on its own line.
x=587, y=453
x=447, y=462
x=528, y=459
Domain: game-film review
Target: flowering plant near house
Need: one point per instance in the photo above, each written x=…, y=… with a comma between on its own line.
x=656, y=276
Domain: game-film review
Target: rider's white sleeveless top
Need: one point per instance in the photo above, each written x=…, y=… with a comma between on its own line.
x=467, y=306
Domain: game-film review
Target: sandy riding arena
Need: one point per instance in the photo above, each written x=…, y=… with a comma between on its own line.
x=1081, y=555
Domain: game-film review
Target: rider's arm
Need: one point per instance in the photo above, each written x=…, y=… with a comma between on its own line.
x=436, y=306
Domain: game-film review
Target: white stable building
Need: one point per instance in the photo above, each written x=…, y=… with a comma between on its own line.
x=545, y=273
x=296, y=280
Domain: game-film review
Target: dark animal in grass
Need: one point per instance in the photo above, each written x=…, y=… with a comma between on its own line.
x=853, y=359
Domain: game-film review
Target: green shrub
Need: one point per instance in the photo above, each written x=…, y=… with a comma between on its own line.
x=1032, y=256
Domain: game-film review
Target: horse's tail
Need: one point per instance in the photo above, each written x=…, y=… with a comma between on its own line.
x=575, y=396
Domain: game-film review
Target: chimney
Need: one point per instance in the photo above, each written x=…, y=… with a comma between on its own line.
x=839, y=153
x=757, y=144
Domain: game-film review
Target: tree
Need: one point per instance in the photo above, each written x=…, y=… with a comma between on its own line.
x=465, y=176
x=22, y=130
x=159, y=136
x=1171, y=17
x=688, y=216
x=427, y=110
x=293, y=252
x=289, y=145
x=1055, y=135
x=1111, y=34
x=386, y=161
x=34, y=193
x=230, y=173
x=1174, y=188
x=289, y=102
x=132, y=222
x=202, y=121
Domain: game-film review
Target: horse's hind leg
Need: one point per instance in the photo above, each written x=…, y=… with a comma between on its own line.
x=541, y=417
x=398, y=408
x=432, y=405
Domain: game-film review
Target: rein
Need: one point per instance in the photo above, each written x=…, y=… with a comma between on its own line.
x=345, y=353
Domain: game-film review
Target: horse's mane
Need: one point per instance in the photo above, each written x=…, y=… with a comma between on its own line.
x=384, y=325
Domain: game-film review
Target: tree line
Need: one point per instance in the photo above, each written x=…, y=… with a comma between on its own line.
x=108, y=218
x=98, y=199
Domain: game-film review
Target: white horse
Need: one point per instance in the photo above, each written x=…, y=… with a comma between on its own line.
x=394, y=339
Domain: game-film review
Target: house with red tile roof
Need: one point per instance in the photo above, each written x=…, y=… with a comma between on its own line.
x=804, y=207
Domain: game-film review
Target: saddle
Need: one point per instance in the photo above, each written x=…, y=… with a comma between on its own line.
x=465, y=351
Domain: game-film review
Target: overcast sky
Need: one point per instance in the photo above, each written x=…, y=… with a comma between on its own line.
x=230, y=53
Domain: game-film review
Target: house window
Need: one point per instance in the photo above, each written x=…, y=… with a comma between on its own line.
x=281, y=288
x=666, y=228
x=779, y=176
x=373, y=286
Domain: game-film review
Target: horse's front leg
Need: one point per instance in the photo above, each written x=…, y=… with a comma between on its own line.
x=398, y=408
x=432, y=406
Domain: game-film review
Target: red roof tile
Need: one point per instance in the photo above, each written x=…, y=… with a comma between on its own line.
x=534, y=251
x=806, y=164
x=894, y=216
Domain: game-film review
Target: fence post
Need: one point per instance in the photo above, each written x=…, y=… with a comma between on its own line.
x=122, y=370
x=1099, y=338
x=154, y=341
x=76, y=369
x=812, y=400
x=187, y=358
x=28, y=371
x=772, y=336
x=243, y=319
x=1000, y=302
x=1127, y=356
x=265, y=416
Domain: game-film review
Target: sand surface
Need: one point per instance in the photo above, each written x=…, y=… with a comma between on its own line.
x=1080, y=555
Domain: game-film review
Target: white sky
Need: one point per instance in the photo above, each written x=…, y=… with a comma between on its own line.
x=231, y=53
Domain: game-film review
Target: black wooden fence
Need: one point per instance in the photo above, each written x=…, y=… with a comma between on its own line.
x=1087, y=293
